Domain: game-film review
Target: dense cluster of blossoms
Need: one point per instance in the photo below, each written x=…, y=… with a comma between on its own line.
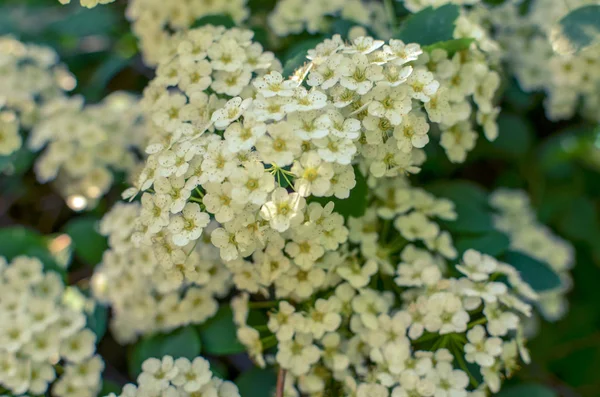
x=468, y=86
x=240, y=175
x=40, y=330
x=295, y=16
x=88, y=3
x=570, y=81
x=517, y=219
x=168, y=377
x=146, y=296
x=159, y=24
x=31, y=75
x=85, y=144
x=418, y=5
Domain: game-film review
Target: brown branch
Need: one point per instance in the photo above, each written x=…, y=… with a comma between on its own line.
x=280, y=382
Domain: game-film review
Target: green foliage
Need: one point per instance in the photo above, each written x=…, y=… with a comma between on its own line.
x=578, y=30
x=355, y=205
x=296, y=56
x=97, y=321
x=88, y=244
x=183, y=342
x=537, y=274
x=527, y=390
x=257, y=382
x=451, y=46
x=214, y=19
x=109, y=387
x=429, y=26
x=17, y=163
x=470, y=200
x=515, y=136
x=85, y=22
x=493, y=243
x=218, y=334
x=17, y=241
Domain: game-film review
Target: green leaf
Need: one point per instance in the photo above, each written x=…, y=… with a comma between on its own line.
x=257, y=382
x=184, y=342
x=97, y=321
x=86, y=22
x=18, y=162
x=102, y=76
x=515, y=135
x=527, y=390
x=429, y=26
x=492, y=243
x=296, y=55
x=577, y=30
x=451, y=46
x=88, y=244
x=109, y=387
x=18, y=240
x=471, y=204
x=356, y=204
x=218, y=335
x=215, y=20
x=537, y=274
x=580, y=220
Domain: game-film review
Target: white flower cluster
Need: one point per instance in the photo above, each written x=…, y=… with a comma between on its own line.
x=88, y=3
x=31, y=75
x=39, y=331
x=569, y=81
x=295, y=16
x=418, y=5
x=468, y=86
x=146, y=296
x=168, y=377
x=517, y=219
x=158, y=24
x=372, y=343
x=85, y=144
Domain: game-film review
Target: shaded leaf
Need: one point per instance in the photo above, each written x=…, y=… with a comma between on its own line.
x=18, y=240
x=451, y=46
x=86, y=22
x=429, y=26
x=109, y=387
x=356, y=204
x=97, y=321
x=577, y=30
x=296, y=55
x=257, y=382
x=218, y=334
x=88, y=244
x=537, y=274
x=184, y=342
x=471, y=205
x=515, y=135
x=216, y=20
x=527, y=390
x=492, y=243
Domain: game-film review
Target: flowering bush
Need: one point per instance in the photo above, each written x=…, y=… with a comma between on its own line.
x=269, y=199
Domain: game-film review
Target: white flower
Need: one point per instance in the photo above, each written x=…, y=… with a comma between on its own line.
x=477, y=266
x=232, y=110
x=272, y=84
x=281, y=146
x=189, y=225
x=298, y=354
x=251, y=184
x=481, y=349
x=192, y=375
x=283, y=210
x=285, y=322
x=312, y=175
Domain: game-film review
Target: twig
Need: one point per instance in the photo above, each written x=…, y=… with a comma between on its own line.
x=280, y=382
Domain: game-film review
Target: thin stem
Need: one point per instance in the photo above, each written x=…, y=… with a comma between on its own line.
x=481, y=321
x=462, y=363
x=268, y=342
x=280, y=382
x=262, y=305
x=196, y=200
